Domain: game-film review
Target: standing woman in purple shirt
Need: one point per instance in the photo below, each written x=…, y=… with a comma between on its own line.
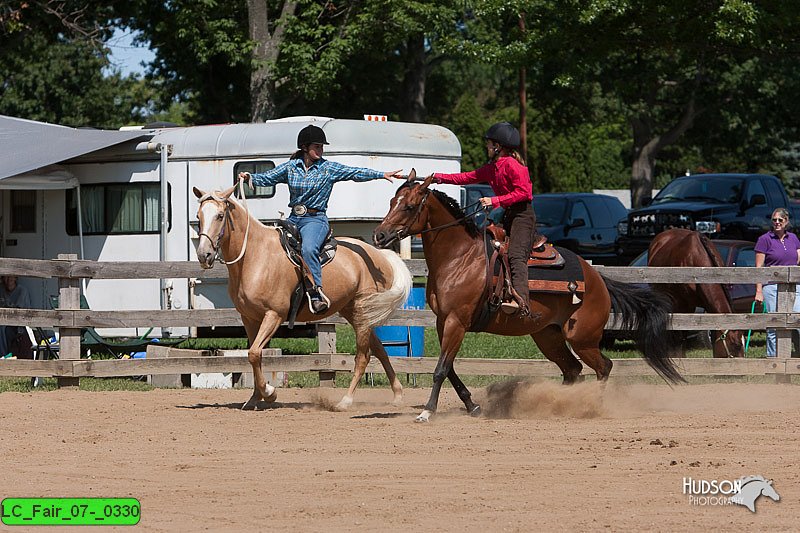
x=507, y=174
x=778, y=247
x=310, y=178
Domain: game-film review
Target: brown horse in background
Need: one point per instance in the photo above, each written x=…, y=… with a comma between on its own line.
x=685, y=248
x=455, y=253
x=365, y=286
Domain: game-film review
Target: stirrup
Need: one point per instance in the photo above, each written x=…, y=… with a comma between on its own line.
x=509, y=307
x=318, y=302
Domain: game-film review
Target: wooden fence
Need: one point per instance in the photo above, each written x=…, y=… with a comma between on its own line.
x=69, y=319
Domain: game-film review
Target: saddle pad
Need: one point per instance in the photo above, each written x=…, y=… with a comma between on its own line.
x=567, y=278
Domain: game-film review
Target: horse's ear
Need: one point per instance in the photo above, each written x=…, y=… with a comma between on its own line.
x=412, y=175
x=198, y=192
x=227, y=192
x=428, y=181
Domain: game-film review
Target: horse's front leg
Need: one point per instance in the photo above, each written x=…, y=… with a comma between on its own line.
x=269, y=325
x=451, y=334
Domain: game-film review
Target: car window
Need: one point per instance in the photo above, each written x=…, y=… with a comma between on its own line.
x=601, y=217
x=719, y=189
x=616, y=209
x=640, y=261
x=579, y=210
x=775, y=192
x=549, y=210
x=755, y=187
x=746, y=257
x=724, y=251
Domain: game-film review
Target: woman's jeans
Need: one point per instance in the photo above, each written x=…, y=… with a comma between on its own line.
x=313, y=230
x=770, y=293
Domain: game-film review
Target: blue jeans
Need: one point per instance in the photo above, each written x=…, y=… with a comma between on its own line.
x=770, y=293
x=313, y=230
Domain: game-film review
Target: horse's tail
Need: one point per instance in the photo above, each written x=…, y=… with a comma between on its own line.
x=646, y=314
x=376, y=308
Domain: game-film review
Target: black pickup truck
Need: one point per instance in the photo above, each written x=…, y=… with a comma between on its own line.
x=723, y=206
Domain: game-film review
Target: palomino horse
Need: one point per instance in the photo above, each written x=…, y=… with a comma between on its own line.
x=457, y=273
x=365, y=286
x=682, y=247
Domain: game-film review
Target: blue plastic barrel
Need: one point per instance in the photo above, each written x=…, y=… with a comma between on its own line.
x=405, y=341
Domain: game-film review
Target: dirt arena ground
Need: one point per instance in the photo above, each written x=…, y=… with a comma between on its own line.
x=543, y=457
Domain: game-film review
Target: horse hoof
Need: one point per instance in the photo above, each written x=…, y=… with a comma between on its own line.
x=344, y=404
x=424, y=416
x=476, y=411
x=272, y=397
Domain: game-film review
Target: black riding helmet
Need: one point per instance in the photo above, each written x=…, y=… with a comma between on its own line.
x=504, y=134
x=310, y=135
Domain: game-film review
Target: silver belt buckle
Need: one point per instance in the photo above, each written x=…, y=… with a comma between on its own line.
x=299, y=210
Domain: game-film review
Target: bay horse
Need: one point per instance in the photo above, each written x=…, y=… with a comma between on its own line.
x=456, y=256
x=684, y=248
x=364, y=285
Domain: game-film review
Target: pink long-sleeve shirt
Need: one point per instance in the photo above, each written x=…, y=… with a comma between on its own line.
x=508, y=178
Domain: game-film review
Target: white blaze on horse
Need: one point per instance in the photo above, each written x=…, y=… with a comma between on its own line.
x=364, y=284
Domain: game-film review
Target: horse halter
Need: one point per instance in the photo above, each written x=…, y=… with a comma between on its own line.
x=226, y=218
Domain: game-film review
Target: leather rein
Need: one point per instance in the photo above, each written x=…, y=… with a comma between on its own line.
x=403, y=233
x=215, y=243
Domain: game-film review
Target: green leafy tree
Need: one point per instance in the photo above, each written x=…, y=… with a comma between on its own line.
x=54, y=67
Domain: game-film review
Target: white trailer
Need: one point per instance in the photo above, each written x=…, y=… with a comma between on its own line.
x=119, y=191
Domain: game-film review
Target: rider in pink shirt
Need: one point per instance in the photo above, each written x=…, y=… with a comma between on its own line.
x=508, y=176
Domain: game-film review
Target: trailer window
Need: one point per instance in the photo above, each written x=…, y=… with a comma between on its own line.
x=253, y=167
x=117, y=209
x=23, y=211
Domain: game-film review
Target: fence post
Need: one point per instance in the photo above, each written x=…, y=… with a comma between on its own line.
x=783, y=348
x=326, y=337
x=69, y=297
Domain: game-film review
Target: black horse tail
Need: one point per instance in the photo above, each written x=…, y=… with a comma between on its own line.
x=646, y=314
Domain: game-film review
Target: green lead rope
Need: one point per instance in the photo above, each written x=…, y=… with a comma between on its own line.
x=749, y=331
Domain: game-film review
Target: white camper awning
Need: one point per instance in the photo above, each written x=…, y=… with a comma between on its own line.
x=27, y=145
x=47, y=178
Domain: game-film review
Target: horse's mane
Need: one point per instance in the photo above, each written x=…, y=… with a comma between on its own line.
x=748, y=479
x=453, y=208
x=716, y=261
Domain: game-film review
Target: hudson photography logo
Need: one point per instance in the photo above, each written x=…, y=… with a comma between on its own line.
x=743, y=491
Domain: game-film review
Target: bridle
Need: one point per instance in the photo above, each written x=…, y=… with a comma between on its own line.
x=724, y=337
x=405, y=231
x=226, y=218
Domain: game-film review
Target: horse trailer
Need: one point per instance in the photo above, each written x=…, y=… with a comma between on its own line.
x=106, y=204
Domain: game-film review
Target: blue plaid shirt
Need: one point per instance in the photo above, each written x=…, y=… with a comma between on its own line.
x=313, y=187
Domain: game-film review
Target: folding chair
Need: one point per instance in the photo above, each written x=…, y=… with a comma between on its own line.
x=96, y=343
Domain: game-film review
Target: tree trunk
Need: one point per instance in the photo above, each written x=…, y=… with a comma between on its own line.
x=647, y=146
x=413, y=98
x=644, y=163
x=262, y=84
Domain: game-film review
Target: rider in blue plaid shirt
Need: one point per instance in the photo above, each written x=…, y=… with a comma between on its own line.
x=310, y=179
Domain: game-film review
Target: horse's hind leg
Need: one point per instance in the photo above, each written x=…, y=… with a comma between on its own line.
x=367, y=341
x=463, y=393
x=553, y=345
x=261, y=389
x=380, y=352
x=584, y=332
